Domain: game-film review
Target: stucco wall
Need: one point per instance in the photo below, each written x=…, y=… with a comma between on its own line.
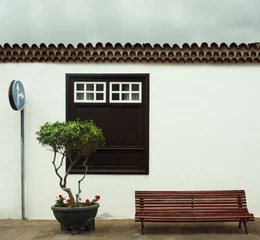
x=204, y=134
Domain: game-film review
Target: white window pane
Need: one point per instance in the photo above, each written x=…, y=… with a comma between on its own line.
x=115, y=96
x=90, y=87
x=99, y=87
x=125, y=96
x=135, y=87
x=90, y=96
x=125, y=87
x=99, y=96
x=90, y=92
x=80, y=96
x=115, y=87
x=80, y=87
x=135, y=96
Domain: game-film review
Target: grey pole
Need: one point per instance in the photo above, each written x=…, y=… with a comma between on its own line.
x=22, y=164
x=16, y=96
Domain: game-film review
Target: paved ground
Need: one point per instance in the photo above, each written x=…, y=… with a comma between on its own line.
x=127, y=230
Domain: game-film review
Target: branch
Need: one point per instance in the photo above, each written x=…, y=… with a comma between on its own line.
x=68, y=190
x=50, y=149
x=69, y=157
x=72, y=163
x=63, y=186
x=79, y=182
x=56, y=170
x=61, y=152
x=61, y=162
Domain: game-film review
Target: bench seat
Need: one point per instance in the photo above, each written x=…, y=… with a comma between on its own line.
x=192, y=206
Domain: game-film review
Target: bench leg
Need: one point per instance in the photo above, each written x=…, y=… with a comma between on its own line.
x=246, y=232
x=239, y=225
x=142, y=227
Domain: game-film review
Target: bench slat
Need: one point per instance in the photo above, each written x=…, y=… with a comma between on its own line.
x=151, y=197
x=188, y=201
x=190, y=204
x=193, y=220
x=204, y=214
x=192, y=192
x=189, y=209
x=237, y=218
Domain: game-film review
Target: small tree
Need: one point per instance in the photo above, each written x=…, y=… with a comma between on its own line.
x=73, y=140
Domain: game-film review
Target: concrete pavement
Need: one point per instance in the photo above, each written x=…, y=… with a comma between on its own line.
x=127, y=230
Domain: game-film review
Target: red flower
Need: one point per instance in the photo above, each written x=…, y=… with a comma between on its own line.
x=87, y=201
x=69, y=201
x=61, y=197
x=79, y=198
x=97, y=197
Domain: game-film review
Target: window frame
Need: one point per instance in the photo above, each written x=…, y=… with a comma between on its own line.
x=117, y=78
x=85, y=91
x=120, y=92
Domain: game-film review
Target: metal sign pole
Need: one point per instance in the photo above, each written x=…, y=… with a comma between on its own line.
x=22, y=164
x=16, y=97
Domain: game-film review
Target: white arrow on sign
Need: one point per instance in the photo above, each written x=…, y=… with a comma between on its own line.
x=19, y=94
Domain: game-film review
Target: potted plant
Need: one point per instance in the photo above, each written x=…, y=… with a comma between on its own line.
x=72, y=142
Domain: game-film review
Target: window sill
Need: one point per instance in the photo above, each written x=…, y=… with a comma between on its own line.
x=112, y=171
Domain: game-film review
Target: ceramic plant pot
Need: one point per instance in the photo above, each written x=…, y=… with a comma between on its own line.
x=76, y=219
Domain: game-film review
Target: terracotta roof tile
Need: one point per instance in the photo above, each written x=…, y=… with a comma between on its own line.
x=143, y=53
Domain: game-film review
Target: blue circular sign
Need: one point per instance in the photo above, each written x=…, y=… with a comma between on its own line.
x=16, y=95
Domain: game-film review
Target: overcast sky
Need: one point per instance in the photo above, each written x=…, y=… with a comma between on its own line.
x=152, y=21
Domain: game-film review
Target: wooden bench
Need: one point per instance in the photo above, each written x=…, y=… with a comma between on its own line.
x=192, y=206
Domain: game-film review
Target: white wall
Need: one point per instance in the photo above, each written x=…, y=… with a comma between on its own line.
x=10, y=190
x=204, y=134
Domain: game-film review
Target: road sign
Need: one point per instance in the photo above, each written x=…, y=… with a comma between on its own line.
x=16, y=95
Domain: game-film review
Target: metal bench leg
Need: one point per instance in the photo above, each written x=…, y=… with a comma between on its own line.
x=246, y=232
x=142, y=227
x=239, y=225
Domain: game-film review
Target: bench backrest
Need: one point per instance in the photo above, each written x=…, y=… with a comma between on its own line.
x=191, y=201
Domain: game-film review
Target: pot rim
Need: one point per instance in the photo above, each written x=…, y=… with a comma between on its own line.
x=75, y=209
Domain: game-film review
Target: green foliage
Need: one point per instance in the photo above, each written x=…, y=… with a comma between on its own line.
x=59, y=201
x=63, y=137
x=75, y=140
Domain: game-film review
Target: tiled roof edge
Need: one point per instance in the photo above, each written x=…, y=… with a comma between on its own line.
x=143, y=53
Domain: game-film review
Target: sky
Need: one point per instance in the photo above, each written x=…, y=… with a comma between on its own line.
x=134, y=21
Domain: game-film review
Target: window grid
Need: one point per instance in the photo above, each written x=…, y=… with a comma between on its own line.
x=125, y=92
x=89, y=92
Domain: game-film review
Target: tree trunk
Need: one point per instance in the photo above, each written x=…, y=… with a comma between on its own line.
x=68, y=190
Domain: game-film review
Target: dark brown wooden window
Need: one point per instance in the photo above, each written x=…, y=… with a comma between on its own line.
x=119, y=104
